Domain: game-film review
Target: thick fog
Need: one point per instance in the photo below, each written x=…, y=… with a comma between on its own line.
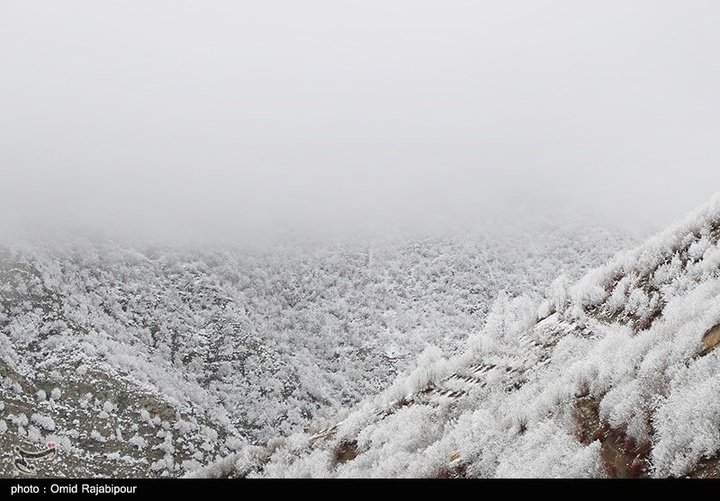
x=222, y=115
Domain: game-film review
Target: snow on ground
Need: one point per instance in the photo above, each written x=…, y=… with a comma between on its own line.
x=615, y=375
x=153, y=360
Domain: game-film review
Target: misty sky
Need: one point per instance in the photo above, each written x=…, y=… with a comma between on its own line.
x=190, y=114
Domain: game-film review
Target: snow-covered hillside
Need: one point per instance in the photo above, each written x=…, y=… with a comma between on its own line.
x=615, y=375
x=154, y=360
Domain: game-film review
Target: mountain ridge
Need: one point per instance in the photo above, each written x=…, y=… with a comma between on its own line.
x=143, y=359
x=613, y=376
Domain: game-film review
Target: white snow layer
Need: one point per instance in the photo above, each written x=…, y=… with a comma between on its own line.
x=628, y=337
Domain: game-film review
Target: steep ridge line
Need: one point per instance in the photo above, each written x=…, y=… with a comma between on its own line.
x=613, y=376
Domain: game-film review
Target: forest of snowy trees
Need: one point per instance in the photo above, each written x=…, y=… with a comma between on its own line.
x=230, y=345
x=614, y=375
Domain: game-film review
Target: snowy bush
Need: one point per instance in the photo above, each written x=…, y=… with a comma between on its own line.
x=44, y=422
x=138, y=442
x=96, y=435
x=19, y=420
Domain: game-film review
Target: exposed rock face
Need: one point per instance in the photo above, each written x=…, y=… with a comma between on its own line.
x=710, y=340
x=615, y=376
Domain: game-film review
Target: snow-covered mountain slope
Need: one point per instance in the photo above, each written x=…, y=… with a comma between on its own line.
x=152, y=360
x=616, y=375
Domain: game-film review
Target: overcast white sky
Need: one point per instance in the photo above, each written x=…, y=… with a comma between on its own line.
x=220, y=113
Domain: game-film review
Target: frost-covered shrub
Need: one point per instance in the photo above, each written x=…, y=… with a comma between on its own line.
x=183, y=426
x=138, y=442
x=549, y=451
x=163, y=464
x=62, y=442
x=166, y=446
x=688, y=422
x=18, y=420
x=34, y=434
x=96, y=435
x=44, y=422
x=145, y=416
x=234, y=443
x=190, y=465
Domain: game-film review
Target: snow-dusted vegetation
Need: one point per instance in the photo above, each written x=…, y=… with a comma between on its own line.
x=352, y=238
x=146, y=360
x=615, y=375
